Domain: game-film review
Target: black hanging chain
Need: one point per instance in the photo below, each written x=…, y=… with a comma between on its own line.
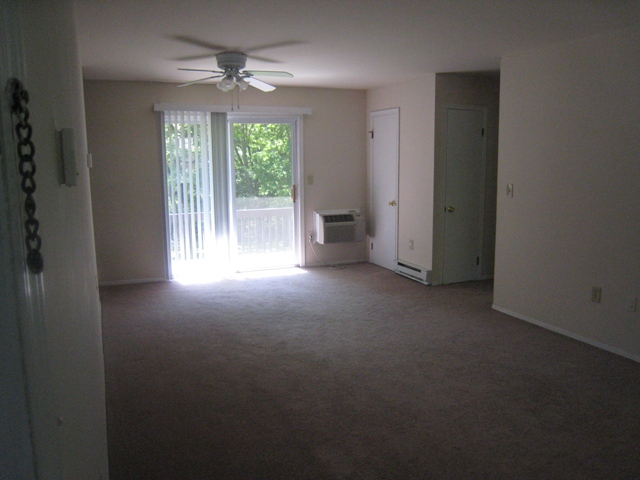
x=27, y=167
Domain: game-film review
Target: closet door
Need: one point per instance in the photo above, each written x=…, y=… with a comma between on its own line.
x=464, y=194
x=383, y=228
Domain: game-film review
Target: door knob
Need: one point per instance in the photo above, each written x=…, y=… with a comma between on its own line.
x=393, y=203
x=451, y=209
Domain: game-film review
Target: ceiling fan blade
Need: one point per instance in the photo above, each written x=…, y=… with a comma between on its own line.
x=199, y=80
x=260, y=85
x=263, y=59
x=268, y=73
x=195, y=57
x=200, y=43
x=284, y=43
x=200, y=70
x=202, y=56
x=215, y=48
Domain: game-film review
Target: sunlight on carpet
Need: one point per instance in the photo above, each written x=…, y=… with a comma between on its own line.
x=198, y=273
x=271, y=273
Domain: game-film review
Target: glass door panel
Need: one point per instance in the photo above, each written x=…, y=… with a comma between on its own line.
x=263, y=203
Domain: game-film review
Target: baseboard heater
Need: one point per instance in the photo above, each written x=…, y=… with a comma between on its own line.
x=414, y=273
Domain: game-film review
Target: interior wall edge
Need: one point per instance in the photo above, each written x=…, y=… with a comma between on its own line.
x=567, y=333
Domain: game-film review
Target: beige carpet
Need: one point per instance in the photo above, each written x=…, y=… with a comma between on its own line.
x=355, y=373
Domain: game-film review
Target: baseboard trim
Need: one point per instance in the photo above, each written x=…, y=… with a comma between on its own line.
x=331, y=264
x=130, y=282
x=569, y=334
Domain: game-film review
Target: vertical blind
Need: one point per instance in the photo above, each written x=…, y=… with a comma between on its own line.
x=189, y=184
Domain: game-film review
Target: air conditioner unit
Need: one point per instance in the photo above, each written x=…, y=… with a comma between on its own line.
x=335, y=226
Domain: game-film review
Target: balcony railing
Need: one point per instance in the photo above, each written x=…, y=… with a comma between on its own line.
x=259, y=231
x=265, y=230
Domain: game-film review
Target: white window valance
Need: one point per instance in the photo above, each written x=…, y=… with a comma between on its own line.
x=243, y=110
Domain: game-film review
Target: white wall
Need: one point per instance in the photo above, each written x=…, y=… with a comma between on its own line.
x=416, y=101
x=67, y=407
x=570, y=143
x=126, y=179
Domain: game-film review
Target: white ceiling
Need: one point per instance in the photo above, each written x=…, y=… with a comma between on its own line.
x=330, y=43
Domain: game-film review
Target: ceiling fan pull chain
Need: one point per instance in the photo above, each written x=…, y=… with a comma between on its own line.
x=27, y=167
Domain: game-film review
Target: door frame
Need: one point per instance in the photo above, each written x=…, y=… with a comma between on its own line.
x=377, y=113
x=440, y=189
x=297, y=173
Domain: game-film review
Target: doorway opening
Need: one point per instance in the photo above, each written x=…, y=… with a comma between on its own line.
x=231, y=199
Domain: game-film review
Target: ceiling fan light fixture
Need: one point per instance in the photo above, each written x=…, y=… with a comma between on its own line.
x=227, y=83
x=243, y=82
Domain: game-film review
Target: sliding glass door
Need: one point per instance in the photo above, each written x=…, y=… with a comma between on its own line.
x=264, y=168
x=230, y=190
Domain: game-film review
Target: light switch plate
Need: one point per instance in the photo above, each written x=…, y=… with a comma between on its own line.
x=509, y=189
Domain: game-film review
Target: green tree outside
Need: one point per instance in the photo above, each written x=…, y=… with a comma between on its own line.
x=262, y=158
x=179, y=139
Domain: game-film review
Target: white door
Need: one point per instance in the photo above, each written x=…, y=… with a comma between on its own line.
x=464, y=194
x=383, y=228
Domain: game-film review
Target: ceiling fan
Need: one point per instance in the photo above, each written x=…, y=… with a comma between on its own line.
x=232, y=73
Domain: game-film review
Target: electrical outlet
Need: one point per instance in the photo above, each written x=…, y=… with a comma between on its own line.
x=410, y=244
x=596, y=294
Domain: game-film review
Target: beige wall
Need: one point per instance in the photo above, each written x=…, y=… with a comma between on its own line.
x=126, y=178
x=569, y=142
x=59, y=309
x=416, y=101
x=467, y=89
